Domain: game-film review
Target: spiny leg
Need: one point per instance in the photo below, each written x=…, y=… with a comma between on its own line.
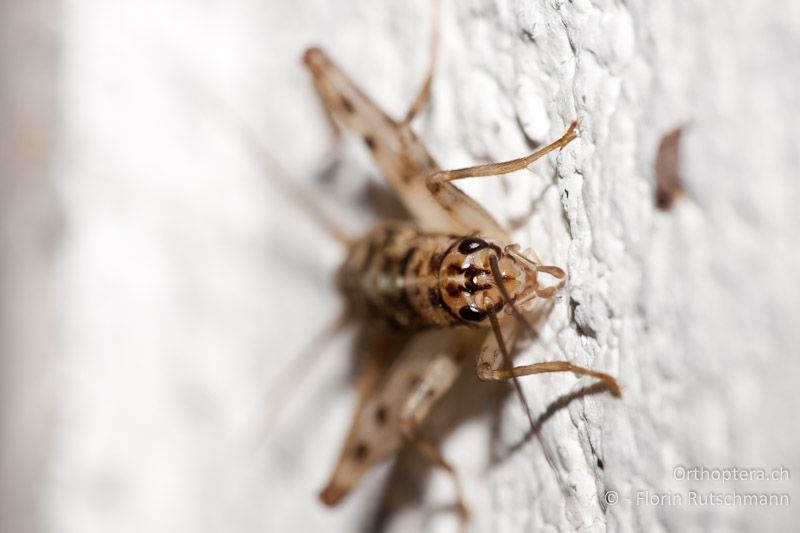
x=425, y=93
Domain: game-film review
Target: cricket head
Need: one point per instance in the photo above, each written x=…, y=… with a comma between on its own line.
x=478, y=278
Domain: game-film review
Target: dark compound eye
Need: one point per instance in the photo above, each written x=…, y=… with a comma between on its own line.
x=471, y=313
x=472, y=244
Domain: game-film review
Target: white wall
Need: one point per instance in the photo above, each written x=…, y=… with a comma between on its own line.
x=183, y=282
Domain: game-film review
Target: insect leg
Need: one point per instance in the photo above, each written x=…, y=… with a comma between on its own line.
x=425, y=93
x=485, y=373
x=345, y=103
x=400, y=154
x=436, y=182
x=494, y=169
x=436, y=381
x=495, y=353
x=336, y=131
x=429, y=450
x=460, y=208
x=396, y=149
x=492, y=358
x=376, y=432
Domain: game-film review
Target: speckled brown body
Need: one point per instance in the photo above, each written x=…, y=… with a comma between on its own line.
x=452, y=265
x=392, y=275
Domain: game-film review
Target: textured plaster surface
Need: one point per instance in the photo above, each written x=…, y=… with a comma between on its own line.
x=185, y=282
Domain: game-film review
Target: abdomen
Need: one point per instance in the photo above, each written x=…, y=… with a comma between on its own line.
x=392, y=274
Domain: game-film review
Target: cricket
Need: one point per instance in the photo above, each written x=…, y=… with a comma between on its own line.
x=428, y=285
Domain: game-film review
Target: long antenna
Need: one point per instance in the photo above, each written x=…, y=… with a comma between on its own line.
x=271, y=167
x=284, y=383
x=510, y=364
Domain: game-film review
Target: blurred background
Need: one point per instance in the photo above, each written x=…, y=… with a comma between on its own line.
x=155, y=283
